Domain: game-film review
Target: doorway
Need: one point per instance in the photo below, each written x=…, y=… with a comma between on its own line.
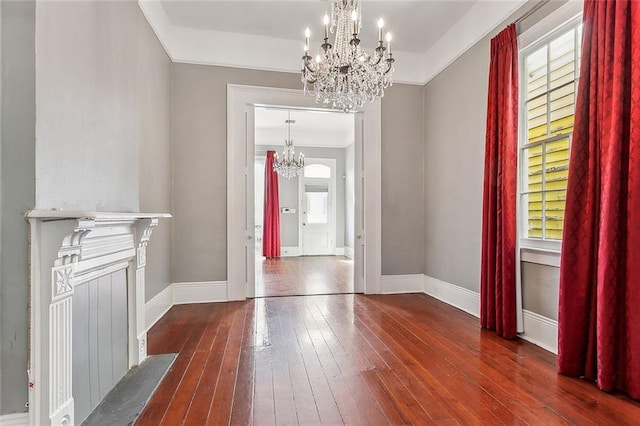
x=241, y=103
x=316, y=207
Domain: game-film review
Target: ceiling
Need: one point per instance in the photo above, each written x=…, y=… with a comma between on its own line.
x=414, y=25
x=311, y=127
x=428, y=35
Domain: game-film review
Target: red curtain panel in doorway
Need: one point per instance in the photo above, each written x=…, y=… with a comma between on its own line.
x=498, y=270
x=599, y=315
x=271, y=225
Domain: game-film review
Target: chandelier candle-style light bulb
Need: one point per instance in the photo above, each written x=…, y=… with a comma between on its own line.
x=389, y=37
x=325, y=21
x=307, y=45
x=343, y=75
x=354, y=18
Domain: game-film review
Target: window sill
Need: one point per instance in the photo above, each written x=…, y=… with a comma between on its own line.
x=541, y=255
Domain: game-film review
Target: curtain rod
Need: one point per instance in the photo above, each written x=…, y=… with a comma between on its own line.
x=531, y=11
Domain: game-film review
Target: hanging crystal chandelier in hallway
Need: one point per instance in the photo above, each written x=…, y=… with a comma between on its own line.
x=288, y=166
x=343, y=75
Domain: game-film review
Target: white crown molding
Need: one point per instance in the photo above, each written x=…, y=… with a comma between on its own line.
x=207, y=47
x=478, y=22
x=160, y=24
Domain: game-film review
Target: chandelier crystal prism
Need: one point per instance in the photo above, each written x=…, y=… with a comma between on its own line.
x=343, y=75
x=288, y=166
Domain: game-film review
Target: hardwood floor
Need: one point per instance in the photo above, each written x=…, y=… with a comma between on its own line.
x=305, y=275
x=354, y=359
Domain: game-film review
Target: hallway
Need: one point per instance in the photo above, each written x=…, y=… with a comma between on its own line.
x=303, y=275
x=402, y=359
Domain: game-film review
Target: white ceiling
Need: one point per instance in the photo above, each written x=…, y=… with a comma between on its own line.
x=268, y=35
x=415, y=25
x=311, y=128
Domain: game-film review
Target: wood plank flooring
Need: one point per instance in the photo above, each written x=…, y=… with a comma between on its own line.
x=304, y=275
x=355, y=359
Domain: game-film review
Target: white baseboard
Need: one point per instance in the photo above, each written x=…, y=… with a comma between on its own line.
x=295, y=251
x=289, y=251
x=397, y=284
x=180, y=294
x=155, y=308
x=16, y=419
x=540, y=331
x=460, y=297
x=199, y=292
x=348, y=252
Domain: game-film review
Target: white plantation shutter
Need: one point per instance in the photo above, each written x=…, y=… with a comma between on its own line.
x=551, y=69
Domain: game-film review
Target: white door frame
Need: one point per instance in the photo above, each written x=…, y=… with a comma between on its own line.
x=330, y=162
x=240, y=157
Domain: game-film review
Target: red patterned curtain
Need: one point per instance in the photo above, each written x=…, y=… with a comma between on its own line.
x=599, y=318
x=271, y=226
x=498, y=273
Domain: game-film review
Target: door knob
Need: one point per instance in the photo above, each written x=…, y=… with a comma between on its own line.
x=359, y=237
x=249, y=237
x=304, y=224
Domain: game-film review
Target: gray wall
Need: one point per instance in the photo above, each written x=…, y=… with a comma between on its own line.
x=199, y=169
x=1, y=101
x=540, y=287
x=87, y=144
x=288, y=194
x=101, y=140
x=18, y=194
x=402, y=181
x=154, y=134
x=454, y=126
x=104, y=116
x=200, y=165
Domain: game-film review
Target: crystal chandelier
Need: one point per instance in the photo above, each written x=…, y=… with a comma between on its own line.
x=343, y=75
x=288, y=167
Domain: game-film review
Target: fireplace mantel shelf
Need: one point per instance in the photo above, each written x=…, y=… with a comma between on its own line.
x=80, y=214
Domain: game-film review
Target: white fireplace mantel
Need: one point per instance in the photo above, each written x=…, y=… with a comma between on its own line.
x=68, y=248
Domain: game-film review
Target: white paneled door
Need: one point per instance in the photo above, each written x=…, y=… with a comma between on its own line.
x=317, y=195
